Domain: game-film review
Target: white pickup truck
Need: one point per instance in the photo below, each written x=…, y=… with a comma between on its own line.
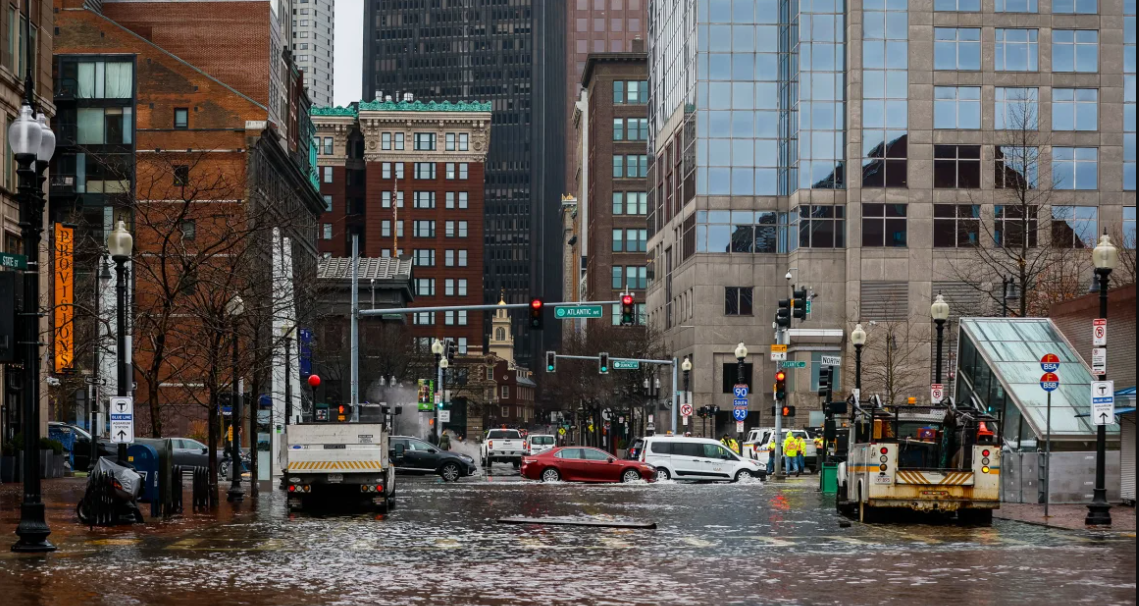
x=338, y=463
x=503, y=446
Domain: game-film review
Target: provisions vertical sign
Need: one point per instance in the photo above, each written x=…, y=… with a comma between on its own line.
x=64, y=298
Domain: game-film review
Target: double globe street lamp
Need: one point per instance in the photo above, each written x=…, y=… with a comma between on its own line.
x=120, y=244
x=940, y=313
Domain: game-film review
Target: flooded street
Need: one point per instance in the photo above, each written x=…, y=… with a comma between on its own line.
x=746, y=543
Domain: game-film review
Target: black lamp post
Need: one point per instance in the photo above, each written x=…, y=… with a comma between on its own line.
x=120, y=244
x=940, y=312
x=1106, y=257
x=741, y=353
x=33, y=144
x=236, y=493
x=858, y=338
x=104, y=279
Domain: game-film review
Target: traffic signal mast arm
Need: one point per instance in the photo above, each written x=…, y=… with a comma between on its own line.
x=415, y=310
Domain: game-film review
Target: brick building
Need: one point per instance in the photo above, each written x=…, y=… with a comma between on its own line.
x=611, y=121
x=163, y=127
x=407, y=179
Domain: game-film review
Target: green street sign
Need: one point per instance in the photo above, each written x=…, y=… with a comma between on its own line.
x=794, y=364
x=626, y=365
x=570, y=312
x=13, y=261
x=808, y=306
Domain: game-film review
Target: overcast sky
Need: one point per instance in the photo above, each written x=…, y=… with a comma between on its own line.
x=349, y=51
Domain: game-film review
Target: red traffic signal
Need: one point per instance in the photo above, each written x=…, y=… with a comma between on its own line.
x=536, y=306
x=627, y=300
x=781, y=376
x=628, y=313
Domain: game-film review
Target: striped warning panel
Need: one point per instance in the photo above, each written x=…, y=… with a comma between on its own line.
x=953, y=478
x=336, y=465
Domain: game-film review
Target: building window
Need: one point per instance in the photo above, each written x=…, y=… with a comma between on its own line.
x=1075, y=109
x=462, y=258
x=464, y=200
x=1014, y=226
x=181, y=118
x=1016, y=108
x=618, y=240
x=327, y=231
x=328, y=204
x=884, y=225
x=328, y=146
x=464, y=141
x=424, y=257
x=449, y=170
x=425, y=287
x=956, y=225
x=398, y=141
x=1078, y=7
x=618, y=92
x=181, y=175
x=957, y=49
x=618, y=203
x=450, y=143
x=424, y=141
x=1015, y=167
x=386, y=199
x=423, y=229
x=957, y=107
x=636, y=277
x=631, y=166
x=962, y=6
x=1015, y=50
x=426, y=318
x=1074, y=226
x=386, y=228
x=462, y=229
x=386, y=170
x=425, y=199
x=885, y=164
x=957, y=166
x=462, y=287
x=1129, y=227
x=636, y=240
x=93, y=79
x=189, y=230
x=464, y=170
x=737, y=301
x=449, y=318
x=385, y=141
x=618, y=277
x=327, y=174
x=449, y=287
x=1015, y=6
x=822, y=226
x=1075, y=50
x=1075, y=167
x=630, y=203
x=450, y=200
x=618, y=166
x=424, y=170
x=462, y=315
x=449, y=258
x=618, y=129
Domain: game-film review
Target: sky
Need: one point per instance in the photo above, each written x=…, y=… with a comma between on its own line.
x=349, y=51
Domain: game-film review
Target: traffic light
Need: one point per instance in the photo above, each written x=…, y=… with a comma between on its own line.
x=341, y=413
x=452, y=349
x=603, y=367
x=783, y=315
x=536, y=306
x=799, y=304
x=628, y=313
x=826, y=375
x=780, y=386
x=786, y=411
x=551, y=361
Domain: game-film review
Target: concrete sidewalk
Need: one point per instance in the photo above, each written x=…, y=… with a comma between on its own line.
x=1070, y=517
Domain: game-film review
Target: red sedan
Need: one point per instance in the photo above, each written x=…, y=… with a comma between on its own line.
x=581, y=464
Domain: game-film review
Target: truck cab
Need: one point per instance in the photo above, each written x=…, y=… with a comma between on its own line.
x=934, y=459
x=341, y=462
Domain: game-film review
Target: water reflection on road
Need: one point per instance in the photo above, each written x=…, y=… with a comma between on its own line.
x=746, y=543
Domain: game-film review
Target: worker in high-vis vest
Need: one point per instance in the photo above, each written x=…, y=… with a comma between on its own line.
x=801, y=455
x=791, y=453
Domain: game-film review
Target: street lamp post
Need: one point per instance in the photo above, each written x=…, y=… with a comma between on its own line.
x=437, y=348
x=120, y=243
x=33, y=144
x=685, y=366
x=858, y=338
x=741, y=353
x=104, y=278
x=444, y=364
x=236, y=493
x=940, y=312
x=1106, y=257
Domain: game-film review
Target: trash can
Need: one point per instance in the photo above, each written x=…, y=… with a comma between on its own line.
x=828, y=476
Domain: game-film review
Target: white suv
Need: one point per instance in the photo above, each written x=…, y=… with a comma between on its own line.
x=697, y=459
x=536, y=444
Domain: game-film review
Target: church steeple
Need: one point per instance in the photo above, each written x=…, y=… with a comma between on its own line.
x=501, y=337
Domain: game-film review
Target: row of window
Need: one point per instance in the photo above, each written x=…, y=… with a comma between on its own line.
x=630, y=240
x=1059, y=7
x=630, y=203
x=425, y=170
x=450, y=318
x=886, y=226
x=1014, y=50
x=424, y=229
x=959, y=167
x=630, y=276
x=425, y=257
x=630, y=129
x=1015, y=108
x=630, y=166
x=631, y=92
x=425, y=141
x=423, y=344
x=425, y=287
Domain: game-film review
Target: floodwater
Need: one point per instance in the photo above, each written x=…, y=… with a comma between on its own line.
x=748, y=543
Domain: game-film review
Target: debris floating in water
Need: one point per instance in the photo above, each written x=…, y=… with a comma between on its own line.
x=579, y=522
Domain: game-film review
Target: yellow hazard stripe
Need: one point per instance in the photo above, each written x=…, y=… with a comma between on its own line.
x=323, y=465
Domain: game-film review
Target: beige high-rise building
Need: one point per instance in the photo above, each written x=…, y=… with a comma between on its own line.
x=870, y=150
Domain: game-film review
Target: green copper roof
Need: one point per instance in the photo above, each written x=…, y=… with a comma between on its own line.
x=430, y=106
x=334, y=111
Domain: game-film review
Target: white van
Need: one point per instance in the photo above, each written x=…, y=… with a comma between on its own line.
x=697, y=459
x=536, y=444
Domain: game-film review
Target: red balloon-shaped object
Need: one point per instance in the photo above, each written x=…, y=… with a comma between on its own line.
x=314, y=381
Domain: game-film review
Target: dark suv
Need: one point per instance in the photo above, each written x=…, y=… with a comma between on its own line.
x=416, y=457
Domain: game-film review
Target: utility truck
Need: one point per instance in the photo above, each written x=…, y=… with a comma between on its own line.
x=937, y=459
x=335, y=461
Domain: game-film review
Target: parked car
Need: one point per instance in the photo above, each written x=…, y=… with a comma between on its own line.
x=635, y=449
x=416, y=457
x=582, y=464
x=76, y=442
x=536, y=444
x=697, y=459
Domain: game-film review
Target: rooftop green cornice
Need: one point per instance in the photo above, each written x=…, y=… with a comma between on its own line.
x=334, y=111
x=430, y=106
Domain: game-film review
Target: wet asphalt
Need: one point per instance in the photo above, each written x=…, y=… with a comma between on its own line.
x=716, y=544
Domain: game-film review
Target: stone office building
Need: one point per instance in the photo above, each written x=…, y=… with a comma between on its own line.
x=869, y=161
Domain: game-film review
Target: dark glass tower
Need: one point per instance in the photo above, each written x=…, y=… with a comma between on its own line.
x=510, y=53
